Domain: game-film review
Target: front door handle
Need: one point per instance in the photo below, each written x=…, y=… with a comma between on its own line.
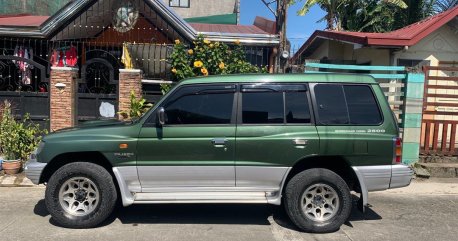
x=219, y=142
x=300, y=142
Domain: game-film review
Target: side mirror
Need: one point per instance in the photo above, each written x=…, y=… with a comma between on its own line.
x=161, y=116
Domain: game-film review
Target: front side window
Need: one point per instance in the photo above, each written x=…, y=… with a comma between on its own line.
x=200, y=106
x=179, y=3
x=346, y=105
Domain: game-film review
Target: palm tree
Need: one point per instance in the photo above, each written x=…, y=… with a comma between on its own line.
x=444, y=5
x=335, y=9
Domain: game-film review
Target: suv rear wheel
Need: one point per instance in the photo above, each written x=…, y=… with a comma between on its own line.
x=318, y=200
x=80, y=195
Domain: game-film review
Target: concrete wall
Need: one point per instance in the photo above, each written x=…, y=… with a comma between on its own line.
x=202, y=8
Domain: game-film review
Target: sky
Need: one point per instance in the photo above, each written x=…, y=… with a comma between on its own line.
x=298, y=28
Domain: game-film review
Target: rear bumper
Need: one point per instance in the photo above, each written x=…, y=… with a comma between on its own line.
x=401, y=175
x=33, y=170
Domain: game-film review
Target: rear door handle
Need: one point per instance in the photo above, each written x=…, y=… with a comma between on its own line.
x=219, y=142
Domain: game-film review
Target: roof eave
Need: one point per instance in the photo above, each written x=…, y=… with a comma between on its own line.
x=251, y=39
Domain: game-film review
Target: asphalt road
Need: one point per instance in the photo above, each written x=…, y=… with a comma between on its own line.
x=393, y=216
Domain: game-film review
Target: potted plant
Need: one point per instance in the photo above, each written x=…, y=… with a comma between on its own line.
x=17, y=139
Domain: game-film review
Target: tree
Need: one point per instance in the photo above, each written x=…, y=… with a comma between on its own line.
x=444, y=5
x=337, y=10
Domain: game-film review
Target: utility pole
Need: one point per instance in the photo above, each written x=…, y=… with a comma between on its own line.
x=281, y=52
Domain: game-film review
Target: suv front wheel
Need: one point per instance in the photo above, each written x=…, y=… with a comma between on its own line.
x=318, y=200
x=80, y=195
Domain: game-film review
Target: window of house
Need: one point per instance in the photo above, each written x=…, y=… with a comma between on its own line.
x=275, y=104
x=346, y=104
x=179, y=3
x=200, y=105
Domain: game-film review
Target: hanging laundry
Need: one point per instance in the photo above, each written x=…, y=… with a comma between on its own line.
x=126, y=59
x=27, y=77
x=16, y=54
x=61, y=59
x=71, y=56
x=54, y=58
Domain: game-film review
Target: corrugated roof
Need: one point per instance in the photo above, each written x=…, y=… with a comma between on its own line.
x=22, y=20
x=227, y=28
x=407, y=36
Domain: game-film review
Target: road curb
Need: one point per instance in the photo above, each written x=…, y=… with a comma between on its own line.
x=15, y=181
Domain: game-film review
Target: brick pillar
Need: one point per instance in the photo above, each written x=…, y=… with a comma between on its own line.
x=63, y=88
x=129, y=79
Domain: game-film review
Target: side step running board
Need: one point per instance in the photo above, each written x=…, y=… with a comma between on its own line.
x=201, y=197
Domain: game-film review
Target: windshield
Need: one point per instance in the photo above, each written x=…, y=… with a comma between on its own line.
x=32, y=7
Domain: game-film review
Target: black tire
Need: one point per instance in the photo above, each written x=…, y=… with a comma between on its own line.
x=307, y=179
x=100, y=178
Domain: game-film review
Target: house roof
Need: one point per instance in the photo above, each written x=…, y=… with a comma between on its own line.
x=407, y=36
x=22, y=20
x=227, y=28
x=46, y=27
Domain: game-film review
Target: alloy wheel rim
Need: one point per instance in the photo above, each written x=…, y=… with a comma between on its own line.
x=320, y=202
x=79, y=196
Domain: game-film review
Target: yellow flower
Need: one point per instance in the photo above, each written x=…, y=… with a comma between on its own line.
x=198, y=64
x=221, y=65
x=174, y=70
x=206, y=41
x=190, y=51
x=237, y=42
x=204, y=71
x=177, y=41
x=211, y=45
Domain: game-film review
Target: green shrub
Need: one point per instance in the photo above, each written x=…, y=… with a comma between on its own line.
x=18, y=139
x=137, y=107
x=209, y=58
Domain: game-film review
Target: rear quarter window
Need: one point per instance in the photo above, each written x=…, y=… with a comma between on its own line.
x=346, y=105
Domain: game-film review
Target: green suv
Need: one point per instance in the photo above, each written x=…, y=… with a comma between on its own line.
x=304, y=141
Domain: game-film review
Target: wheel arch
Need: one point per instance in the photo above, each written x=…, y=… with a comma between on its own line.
x=70, y=157
x=337, y=164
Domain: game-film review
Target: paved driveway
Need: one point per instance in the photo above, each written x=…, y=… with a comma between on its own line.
x=393, y=216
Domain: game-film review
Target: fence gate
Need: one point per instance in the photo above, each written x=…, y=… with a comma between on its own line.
x=440, y=111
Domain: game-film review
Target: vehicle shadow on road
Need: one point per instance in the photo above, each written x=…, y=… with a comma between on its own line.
x=252, y=214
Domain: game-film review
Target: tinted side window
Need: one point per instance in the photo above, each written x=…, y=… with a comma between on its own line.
x=192, y=105
x=362, y=106
x=330, y=100
x=297, y=107
x=262, y=107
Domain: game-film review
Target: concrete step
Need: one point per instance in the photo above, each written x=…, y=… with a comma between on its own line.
x=438, y=159
x=441, y=170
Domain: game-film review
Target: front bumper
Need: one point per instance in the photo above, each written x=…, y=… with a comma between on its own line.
x=33, y=170
x=401, y=175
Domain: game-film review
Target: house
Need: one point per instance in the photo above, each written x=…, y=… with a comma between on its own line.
x=426, y=42
x=207, y=11
x=87, y=40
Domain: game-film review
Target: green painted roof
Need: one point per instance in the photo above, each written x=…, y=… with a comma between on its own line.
x=315, y=77
x=215, y=19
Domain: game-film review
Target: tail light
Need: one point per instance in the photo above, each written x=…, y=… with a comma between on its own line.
x=397, y=157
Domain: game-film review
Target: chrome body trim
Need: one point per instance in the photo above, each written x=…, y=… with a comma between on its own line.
x=401, y=175
x=276, y=199
x=33, y=170
x=258, y=176
x=128, y=182
x=378, y=178
x=186, y=176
